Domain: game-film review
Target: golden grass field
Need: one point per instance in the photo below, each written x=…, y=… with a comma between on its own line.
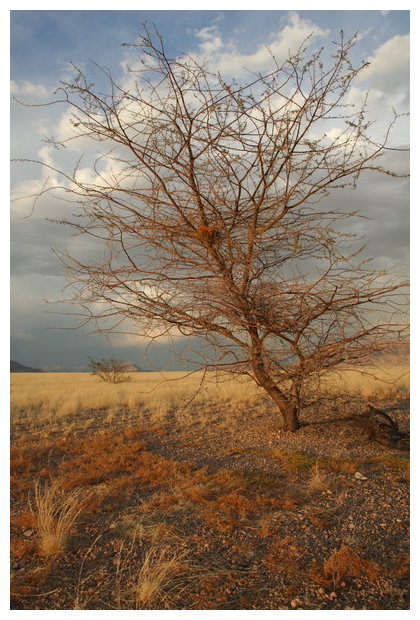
x=42, y=397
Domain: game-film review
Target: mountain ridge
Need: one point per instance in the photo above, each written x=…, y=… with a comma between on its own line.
x=17, y=367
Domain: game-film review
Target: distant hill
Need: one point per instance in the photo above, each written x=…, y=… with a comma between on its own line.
x=130, y=367
x=16, y=367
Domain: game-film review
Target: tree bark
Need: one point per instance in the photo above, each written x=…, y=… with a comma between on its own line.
x=291, y=418
x=287, y=407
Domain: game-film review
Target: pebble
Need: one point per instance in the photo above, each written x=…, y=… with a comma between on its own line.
x=333, y=595
x=295, y=603
x=359, y=476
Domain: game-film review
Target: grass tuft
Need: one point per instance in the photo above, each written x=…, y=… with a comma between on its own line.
x=158, y=578
x=54, y=515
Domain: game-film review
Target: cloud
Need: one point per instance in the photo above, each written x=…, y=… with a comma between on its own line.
x=36, y=92
x=224, y=56
x=37, y=274
x=211, y=40
x=389, y=68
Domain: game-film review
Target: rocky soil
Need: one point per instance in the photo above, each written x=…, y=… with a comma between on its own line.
x=258, y=519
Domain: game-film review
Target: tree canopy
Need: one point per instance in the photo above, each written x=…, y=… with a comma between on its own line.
x=208, y=197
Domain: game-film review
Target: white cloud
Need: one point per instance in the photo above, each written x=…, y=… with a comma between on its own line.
x=65, y=129
x=211, y=41
x=389, y=67
x=386, y=80
x=224, y=56
x=28, y=89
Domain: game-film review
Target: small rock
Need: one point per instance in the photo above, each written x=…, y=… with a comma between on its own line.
x=359, y=476
x=28, y=533
x=295, y=603
x=333, y=595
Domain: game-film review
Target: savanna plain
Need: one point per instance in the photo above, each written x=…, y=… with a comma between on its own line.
x=178, y=491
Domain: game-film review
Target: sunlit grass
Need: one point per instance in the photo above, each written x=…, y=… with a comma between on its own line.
x=54, y=514
x=47, y=397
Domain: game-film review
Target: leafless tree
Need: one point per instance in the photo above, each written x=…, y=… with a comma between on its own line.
x=209, y=200
x=110, y=370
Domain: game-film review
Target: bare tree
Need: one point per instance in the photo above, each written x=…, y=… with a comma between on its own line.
x=209, y=200
x=110, y=370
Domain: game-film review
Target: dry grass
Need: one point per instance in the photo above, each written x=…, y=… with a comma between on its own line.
x=158, y=579
x=346, y=562
x=375, y=382
x=318, y=480
x=54, y=515
x=294, y=462
x=172, y=534
x=50, y=397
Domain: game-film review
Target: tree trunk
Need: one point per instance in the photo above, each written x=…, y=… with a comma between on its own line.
x=290, y=418
x=287, y=408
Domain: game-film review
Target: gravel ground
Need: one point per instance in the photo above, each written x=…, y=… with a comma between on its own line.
x=348, y=497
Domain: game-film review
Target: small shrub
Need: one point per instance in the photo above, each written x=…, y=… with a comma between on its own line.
x=110, y=370
x=347, y=563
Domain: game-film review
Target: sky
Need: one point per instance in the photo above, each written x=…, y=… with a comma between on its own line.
x=44, y=42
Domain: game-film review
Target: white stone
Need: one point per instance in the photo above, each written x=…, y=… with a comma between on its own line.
x=359, y=476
